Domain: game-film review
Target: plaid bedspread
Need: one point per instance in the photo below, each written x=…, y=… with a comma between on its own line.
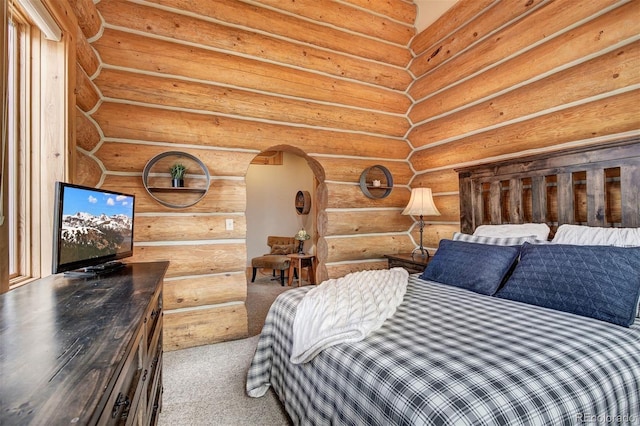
x=452, y=357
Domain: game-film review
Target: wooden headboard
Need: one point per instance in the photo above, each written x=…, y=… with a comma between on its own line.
x=595, y=186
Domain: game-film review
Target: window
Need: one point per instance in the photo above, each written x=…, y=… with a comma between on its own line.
x=39, y=107
x=18, y=123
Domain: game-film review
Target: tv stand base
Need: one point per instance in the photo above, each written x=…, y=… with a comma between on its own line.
x=94, y=271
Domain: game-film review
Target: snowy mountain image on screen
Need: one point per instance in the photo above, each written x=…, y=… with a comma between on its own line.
x=84, y=235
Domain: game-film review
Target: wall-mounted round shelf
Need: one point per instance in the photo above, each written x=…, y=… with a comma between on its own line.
x=379, y=189
x=303, y=202
x=157, y=179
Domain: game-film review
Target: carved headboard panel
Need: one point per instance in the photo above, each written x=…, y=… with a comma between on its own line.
x=595, y=186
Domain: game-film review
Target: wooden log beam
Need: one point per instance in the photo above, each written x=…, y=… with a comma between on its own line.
x=186, y=329
x=195, y=259
x=87, y=135
x=225, y=195
x=367, y=247
x=348, y=17
x=189, y=227
x=452, y=19
x=350, y=196
x=591, y=37
x=481, y=26
x=399, y=10
x=342, y=269
x=579, y=123
x=131, y=157
x=152, y=55
x=350, y=169
x=171, y=92
x=291, y=27
x=87, y=172
x=135, y=122
x=445, y=180
x=218, y=36
x=204, y=290
x=353, y=222
x=88, y=17
x=607, y=73
x=85, y=55
x=87, y=95
x=433, y=233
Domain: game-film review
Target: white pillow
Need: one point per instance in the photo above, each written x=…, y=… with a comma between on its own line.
x=540, y=230
x=496, y=241
x=596, y=236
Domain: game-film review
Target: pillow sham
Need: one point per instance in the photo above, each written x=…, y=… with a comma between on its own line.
x=508, y=241
x=594, y=281
x=540, y=230
x=597, y=236
x=476, y=267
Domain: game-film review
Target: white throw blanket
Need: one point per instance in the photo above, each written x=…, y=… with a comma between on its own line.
x=345, y=309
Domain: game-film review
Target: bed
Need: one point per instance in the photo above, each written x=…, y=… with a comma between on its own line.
x=456, y=354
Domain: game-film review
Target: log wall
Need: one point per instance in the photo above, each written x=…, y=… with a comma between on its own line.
x=224, y=81
x=497, y=80
x=346, y=84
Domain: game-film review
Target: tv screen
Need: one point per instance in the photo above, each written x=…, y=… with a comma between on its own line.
x=92, y=228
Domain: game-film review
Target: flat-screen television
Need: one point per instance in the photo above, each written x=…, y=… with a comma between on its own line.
x=93, y=228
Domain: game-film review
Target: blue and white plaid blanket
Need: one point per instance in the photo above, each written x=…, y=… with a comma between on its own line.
x=453, y=357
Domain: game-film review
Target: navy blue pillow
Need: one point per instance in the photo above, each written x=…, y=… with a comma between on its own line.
x=601, y=282
x=477, y=267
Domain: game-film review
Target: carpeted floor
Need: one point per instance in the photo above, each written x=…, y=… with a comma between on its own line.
x=205, y=385
x=260, y=296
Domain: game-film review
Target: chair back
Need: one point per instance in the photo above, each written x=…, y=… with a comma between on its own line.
x=272, y=240
x=285, y=245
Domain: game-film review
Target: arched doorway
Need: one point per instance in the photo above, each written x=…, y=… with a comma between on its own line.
x=318, y=209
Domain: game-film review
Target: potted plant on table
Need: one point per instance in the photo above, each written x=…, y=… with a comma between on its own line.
x=177, y=175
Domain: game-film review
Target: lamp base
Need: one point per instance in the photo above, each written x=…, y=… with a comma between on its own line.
x=423, y=252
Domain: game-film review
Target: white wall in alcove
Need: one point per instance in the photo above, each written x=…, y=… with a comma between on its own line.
x=271, y=192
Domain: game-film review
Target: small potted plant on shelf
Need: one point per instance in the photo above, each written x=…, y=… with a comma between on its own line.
x=177, y=175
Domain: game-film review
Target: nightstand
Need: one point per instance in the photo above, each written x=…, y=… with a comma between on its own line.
x=413, y=264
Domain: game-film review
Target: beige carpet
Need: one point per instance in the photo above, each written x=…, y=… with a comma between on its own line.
x=205, y=385
x=260, y=296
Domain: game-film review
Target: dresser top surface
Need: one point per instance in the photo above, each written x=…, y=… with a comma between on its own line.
x=62, y=337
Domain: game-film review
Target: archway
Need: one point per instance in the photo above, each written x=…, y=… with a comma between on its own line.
x=318, y=209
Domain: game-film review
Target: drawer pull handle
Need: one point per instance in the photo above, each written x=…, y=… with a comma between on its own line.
x=144, y=375
x=121, y=401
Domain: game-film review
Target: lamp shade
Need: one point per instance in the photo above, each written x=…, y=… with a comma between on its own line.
x=421, y=203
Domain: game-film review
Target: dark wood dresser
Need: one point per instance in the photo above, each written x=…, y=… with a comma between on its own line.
x=83, y=350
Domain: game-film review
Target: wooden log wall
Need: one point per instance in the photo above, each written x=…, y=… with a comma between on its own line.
x=224, y=81
x=347, y=85
x=497, y=80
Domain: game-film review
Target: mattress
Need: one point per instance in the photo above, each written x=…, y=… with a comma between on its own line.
x=452, y=356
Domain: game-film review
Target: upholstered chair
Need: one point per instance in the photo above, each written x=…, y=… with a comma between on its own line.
x=277, y=259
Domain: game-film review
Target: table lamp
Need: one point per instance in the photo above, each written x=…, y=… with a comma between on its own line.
x=421, y=204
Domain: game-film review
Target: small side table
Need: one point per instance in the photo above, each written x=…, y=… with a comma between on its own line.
x=301, y=260
x=413, y=264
